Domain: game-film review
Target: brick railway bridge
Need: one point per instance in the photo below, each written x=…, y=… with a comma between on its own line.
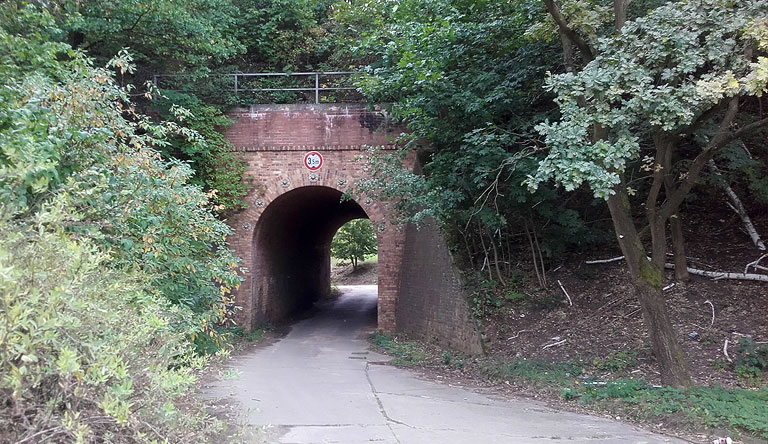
x=302, y=158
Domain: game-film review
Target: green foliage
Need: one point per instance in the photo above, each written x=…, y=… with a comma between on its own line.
x=466, y=81
x=455, y=361
x=163, y=34
x=742, y=168
x=252, y=336
x=637, y=86
x=750, y=362
x=708, y=406
x=514, y=296
x=484, y=299
x=141, y=208
x=736, y=409
x=354, y=241
x=88, y=353
x=211, y=155
x=284, y=35
x=617, y=361
x=85, y=147
x=751, y=354
x=29, y=155
x=110, y=261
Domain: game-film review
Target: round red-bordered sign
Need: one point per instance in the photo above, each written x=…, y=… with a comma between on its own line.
x=313, y=160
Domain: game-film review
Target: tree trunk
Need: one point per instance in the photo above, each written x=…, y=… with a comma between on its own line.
x=666, y=349
x=678, y=248
x=567, y=52
x=620, y=13
x=646, y=280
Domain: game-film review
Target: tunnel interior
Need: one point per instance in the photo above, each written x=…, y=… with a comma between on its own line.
x=292, y=264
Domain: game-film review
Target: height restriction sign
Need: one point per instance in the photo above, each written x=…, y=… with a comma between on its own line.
x=313, y=160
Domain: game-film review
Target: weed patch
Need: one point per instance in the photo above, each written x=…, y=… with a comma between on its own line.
x=453, y=360
x=533, y=371
x=713, y=407
x=740, y=411
x=618, y=361
x=237, y=334
x=405, y=353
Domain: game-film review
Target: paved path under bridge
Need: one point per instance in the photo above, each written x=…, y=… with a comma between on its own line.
x=321, y=384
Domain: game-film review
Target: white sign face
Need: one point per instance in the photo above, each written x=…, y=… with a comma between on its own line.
x=313, y=160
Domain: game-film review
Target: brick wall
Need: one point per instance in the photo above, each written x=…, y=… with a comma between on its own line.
x=431, y=302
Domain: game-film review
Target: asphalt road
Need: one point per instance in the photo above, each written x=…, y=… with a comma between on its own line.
x=321, y=384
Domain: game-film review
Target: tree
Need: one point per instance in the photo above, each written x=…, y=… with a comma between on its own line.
x=354, y=241
x=673, y=83
x=164, y=35
x=467, y=79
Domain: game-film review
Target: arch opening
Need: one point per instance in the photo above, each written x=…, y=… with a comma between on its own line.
x=354, y=254
x=291, y=254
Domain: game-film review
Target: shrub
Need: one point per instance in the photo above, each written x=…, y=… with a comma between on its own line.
x=68, y=133
x=87, y=353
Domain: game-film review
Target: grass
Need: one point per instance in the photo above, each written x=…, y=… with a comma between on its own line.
x=740, y=411
x=369, y=259
x=712, y=407
x=540, y=373
x=405, y=353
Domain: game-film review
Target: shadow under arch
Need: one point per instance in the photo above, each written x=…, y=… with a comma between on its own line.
x=291, y=254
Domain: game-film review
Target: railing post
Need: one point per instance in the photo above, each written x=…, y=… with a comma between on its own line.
x=317, y=87
x=235, y=83
x=154, y=80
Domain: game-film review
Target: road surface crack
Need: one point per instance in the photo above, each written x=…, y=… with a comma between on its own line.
x=383, y=411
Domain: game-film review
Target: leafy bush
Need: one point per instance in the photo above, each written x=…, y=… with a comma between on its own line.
x=750, y=361
x=211, y=156
x=88, y=353
x=68, y=133
x=748, y=353
x=141, y=208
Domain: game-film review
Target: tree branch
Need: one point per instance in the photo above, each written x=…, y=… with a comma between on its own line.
x=722, y=138
x=554, y=11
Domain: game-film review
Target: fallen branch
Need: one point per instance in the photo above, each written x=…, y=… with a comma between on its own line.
x=713, y=312
x=738, y=208
x=724, y=275
x=515, y=336
x=756, y=264
x=631, y=313
x=554, y=344
x=713, y=274
x=668, y=287
x=570, y=302
x=725, y=351
x=604, y=261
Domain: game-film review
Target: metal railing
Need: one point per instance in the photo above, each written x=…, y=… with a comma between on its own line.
x=241, y=81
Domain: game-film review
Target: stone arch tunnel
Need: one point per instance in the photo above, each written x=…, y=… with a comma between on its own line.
x=295, y=208
x=292, y=248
